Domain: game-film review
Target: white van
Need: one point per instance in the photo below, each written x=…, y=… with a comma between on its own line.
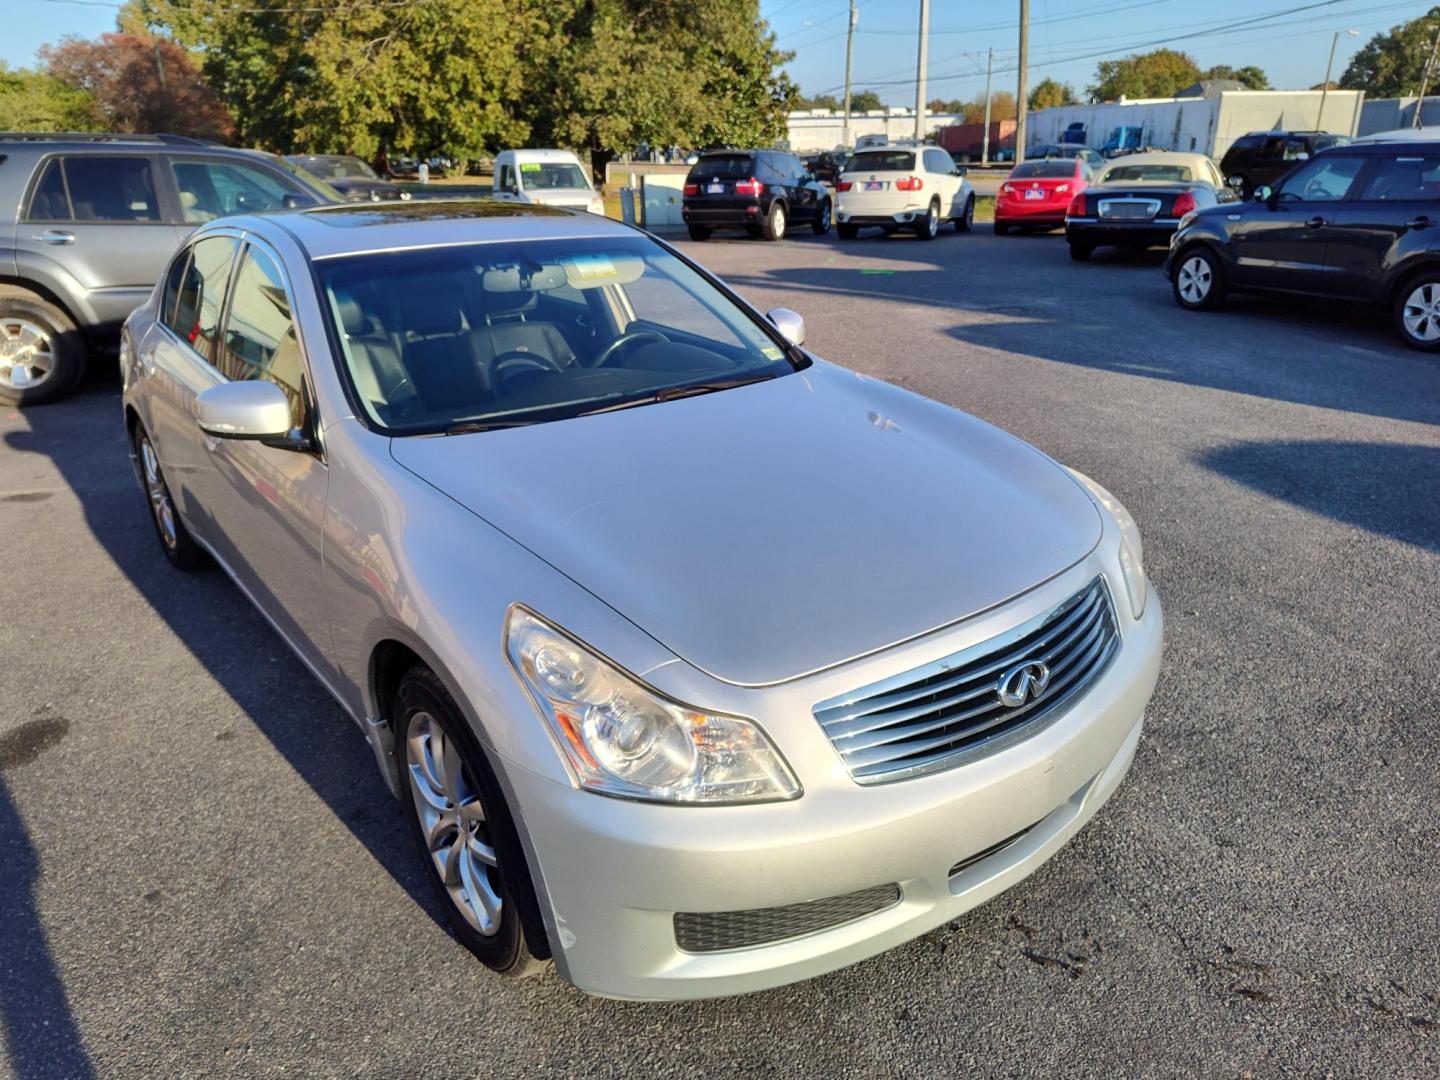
x=551, y=177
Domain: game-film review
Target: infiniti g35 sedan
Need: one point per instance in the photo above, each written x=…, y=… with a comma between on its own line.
x=698, y=664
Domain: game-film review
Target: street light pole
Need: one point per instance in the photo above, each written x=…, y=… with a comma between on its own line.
x=985, y=138
x=1021, y=89
x=849, y=52
x=1325, y=86
x=921, y=60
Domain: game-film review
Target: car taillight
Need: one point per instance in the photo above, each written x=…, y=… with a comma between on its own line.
x=1061, y=189
x=1184, y=204
x=692, y=189
x=1077, y=206
x=842, y=185
x=913, y=183
x=749, y=187
x=1006, y=189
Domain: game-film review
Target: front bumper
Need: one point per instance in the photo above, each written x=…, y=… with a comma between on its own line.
x=1093, y=230
x=616, y=872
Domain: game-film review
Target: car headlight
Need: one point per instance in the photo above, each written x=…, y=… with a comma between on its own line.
x=1132, y=566
x=622, y=738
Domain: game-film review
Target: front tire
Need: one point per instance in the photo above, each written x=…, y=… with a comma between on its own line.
x=821, y=225
x=1197, y=280
x=463, y=827
x=699, y=232
x=42, y=358
x=775, y=222
x=966, y=221
x=1416, y=312
x=928, y=227
x=175, y=539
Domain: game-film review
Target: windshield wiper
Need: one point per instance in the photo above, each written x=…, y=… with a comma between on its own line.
x=670, y=393
x=469, y=427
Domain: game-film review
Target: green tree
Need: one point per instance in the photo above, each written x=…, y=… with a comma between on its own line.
x=1002, y=107
x=1156, y=74
x=1048, y=94
x=940, y=105
x=820, y=101
x=1252, y=77
x=35, y=101
x=865, y=100
x=1391, y=64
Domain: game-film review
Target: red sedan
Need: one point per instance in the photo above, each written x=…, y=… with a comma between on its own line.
x=1037, y=193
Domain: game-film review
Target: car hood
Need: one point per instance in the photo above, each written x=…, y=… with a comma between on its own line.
x=772, y=530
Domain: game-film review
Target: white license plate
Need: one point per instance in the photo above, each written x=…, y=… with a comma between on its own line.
x=874, y=185
x=716, y=189
x=1035, y=193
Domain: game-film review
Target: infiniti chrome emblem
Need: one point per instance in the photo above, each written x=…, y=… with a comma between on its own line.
x=1022, y=683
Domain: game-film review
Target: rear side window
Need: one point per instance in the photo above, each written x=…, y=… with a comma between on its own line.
x=882, y=161
x=727, y=165
x=1247, y=142
x=1043, y=170
x=173, y=281
x=95, y=189
x=201, y=295
x=260, y=340
x=1406, y=178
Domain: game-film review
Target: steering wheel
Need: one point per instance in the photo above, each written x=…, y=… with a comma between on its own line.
x=1316, y=187
x=506, y=365
x=624, y=341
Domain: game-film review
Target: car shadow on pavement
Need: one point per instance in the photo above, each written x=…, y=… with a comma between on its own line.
x=85, y=439
x=40, y=1032
x=1390, y=489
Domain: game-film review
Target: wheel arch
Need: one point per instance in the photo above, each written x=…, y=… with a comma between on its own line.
x=1402, y=276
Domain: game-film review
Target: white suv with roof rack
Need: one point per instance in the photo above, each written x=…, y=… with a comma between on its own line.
x=896, y=187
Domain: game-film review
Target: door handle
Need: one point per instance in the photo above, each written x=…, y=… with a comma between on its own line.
x=1315, y=223
x=1420, y=222
x=54, y=236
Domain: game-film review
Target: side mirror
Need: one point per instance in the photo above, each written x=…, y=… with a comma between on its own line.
x=791, y=324
x=962, y=170
x=1263, y=193
x=254, y=410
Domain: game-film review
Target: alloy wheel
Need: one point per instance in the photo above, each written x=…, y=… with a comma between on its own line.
x=27, y=355
x=932, y=221
x=778, y=217
x=159, y=495
x=825, y=218
x=969, y=212
x=453, y=822
x=1421, y=313
x=1195, y=280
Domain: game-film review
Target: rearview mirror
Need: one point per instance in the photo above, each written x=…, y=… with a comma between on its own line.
x=293, y=202
x=254, y=410
x=791, y=324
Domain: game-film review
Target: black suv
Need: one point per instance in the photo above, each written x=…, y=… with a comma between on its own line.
x=1262, y=157
x=762, y=191
x=97, y=218
x=1358, y=222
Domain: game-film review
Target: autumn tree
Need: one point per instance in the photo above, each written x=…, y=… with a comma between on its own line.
x=1049, y=94
x=138, y=83
x=1156, y=74
x=35, y=101
x=1392, y=64
x=1002, y=107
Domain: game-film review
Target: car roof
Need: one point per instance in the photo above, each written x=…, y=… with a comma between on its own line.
x=1408, y=146
x=1399, y=135
x=546, y=155
x=1161, y=157
x=359, y=228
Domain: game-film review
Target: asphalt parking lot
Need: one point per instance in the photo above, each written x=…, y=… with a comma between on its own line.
x=201, y=871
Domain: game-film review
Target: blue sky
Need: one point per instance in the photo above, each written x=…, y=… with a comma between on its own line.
x=1290, y=45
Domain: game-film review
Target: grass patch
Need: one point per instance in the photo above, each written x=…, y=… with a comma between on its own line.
x=984, y=207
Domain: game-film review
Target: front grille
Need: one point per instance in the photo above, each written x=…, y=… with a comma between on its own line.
x=950, y=711
x=1129, y=209
x=716, y=931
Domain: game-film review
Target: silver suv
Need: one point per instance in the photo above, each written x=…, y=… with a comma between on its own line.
x=96, y=218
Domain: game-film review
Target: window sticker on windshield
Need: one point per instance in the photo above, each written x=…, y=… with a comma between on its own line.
x=530, y=166
x=771, y=352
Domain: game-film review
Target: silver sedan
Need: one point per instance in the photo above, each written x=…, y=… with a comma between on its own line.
x=699, y=664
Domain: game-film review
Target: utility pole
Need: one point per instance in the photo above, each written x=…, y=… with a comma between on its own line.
x=1325, y=86
x=1425, y=79
x=849, y=52
x=985, y=138
x=921, y=61
x=1021, y=89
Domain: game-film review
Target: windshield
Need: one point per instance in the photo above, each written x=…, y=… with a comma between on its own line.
x=881, y=161
x=546, y=175
x=1043, y=170
x=315, y=182
x=505, y=334
x=335, y=168
x=1131, y=173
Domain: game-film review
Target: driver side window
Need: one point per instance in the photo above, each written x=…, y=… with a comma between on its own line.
x=1326, y=179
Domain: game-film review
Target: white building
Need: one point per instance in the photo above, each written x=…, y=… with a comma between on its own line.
x=821, y=129
x=1207, y=125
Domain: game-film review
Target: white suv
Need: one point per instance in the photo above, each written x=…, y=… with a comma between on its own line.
x=897, y=186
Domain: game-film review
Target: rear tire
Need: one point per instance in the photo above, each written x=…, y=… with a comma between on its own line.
x=1002, y=229
x=776, y=222
x=42, y=357
x=1081, y=252
x=1416, y=312
x=928, y=227
x=1197, y=280
x=699, y=232
x=847, y=232
x=966, y=221
x=821, y=225
x=473, y=858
